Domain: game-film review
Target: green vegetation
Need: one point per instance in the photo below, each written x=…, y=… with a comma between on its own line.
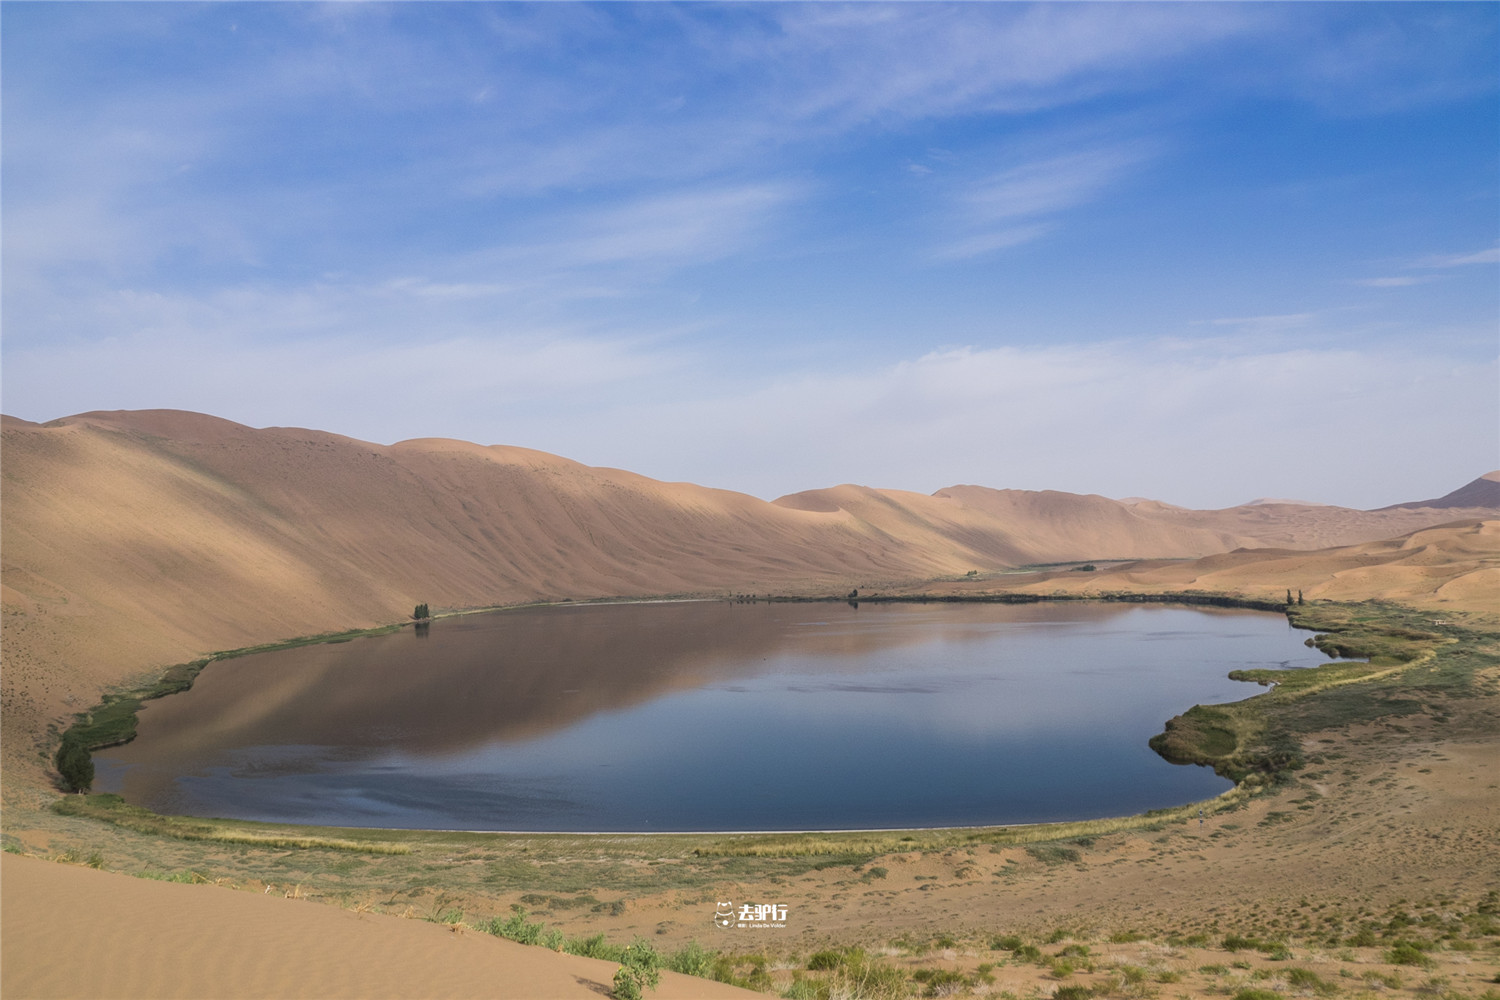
x=113, y=809
x=1258, y=739
x=640, y=970
x=75, y=765
x=420, y=613
x=1254, y=740
x=1408, y=953
x=1054, y=854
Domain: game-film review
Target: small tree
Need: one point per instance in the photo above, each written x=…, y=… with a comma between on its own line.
x=76, y=765
x=421, y=613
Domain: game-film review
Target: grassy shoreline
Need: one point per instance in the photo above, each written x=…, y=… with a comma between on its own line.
x=589, y=884
x=1248, y=741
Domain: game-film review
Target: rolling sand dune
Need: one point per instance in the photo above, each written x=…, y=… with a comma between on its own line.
x=1454, y=565
x=137, y=539
x=134, y=540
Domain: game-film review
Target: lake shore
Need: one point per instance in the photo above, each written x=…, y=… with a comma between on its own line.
x=1298, y=854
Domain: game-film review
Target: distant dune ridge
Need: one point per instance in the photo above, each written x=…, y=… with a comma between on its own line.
x=135, y=539
x=1482, y=492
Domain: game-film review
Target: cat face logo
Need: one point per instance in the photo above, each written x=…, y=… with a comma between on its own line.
x=724, y=915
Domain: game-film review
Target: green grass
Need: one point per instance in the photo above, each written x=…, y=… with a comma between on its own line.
x=1411, y=658
x=113, y=809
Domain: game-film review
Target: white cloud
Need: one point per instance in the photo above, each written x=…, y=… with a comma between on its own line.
x=1202, y=425
x=1403, y=281
x=1115, y=419
x=850, y=63
x=680, y=227
x=1491, y=256
x=1268, y=324
x=1013, y=206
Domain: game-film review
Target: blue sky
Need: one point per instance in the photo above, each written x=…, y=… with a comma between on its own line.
x=1199, y=252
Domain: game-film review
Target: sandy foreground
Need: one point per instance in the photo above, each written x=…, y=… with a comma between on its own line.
x=69, y=931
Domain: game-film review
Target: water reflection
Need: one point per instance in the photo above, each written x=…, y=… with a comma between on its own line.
x=705, y=716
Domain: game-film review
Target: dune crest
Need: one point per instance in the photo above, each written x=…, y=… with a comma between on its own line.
x=135, y=539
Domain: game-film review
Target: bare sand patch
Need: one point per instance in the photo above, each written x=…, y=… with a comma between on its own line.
x=69, y=931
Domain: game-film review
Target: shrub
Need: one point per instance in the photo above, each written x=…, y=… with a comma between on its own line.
x=516, y=928
x=692, y=959
x=1053, y=854
x=593, y=947
x=1407, y=953
x=941, y=982
x=1306, y=979
x=640, y=970
x=1073, y=993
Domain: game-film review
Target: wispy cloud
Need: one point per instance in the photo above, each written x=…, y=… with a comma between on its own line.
x=678, y=227
x=1276, y=323
x=855, y=62
x=1432, y=262
x=1399, y=281
x=1020, y=203
x=1109, y=418
x=1490, y=256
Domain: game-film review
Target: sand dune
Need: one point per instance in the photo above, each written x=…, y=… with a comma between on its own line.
x=1455, y=566
x=138, y=539
x=1482, y=492
x=73, y=932
x=134, y=540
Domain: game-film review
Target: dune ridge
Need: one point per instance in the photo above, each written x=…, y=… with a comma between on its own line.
x=134, y=539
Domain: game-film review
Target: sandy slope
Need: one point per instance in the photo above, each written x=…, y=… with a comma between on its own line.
x=137, y=539
x=1454, y=566
x=72, y=932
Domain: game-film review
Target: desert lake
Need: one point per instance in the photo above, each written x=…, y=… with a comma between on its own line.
x=707, y=716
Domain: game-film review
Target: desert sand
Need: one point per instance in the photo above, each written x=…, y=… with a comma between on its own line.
x=142, y=538
x=126, y=937
x=1452, y=566
x=136, y=540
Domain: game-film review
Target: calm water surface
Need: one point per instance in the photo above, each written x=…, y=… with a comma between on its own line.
x=707, y=716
